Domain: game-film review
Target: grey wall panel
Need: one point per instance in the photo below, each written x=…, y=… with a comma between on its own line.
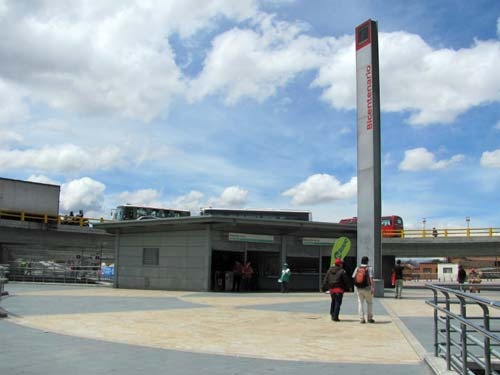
x=130, y=261
x=129, y=271
x=196, y=262
x=130, y=240
x=173, y=251
x=182, y=261
x=173, y=262
x=130, y=251
x=153, y=272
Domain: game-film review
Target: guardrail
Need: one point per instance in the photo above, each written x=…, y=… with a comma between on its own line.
x=57, y=273
x=446, y=233
x=50, y=219
x=466, y=342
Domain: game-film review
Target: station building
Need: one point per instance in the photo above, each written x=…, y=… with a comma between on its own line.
x=197, y=253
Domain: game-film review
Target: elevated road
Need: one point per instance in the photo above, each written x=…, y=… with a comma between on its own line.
x=441, y=246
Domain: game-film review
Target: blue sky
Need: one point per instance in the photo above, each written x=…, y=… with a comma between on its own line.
x=251, y=104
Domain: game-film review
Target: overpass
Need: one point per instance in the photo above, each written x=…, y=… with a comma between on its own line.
x=441, y=247
x=458, y=242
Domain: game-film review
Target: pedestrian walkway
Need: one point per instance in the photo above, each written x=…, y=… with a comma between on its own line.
x=56, y=329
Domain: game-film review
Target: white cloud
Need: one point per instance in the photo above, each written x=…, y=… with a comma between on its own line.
x=102, y=57
x=497, y=126
x=192, y=201
x=420, y=158
x=491, y=159
x=142, y=197
x=83, y=194
x=42, y=179
x=321, y=188
x=86, y=57
x=61, y=158
x=13, y=109
x=232, y=196
x=417, y=78
x=8, y=137
x=254, y=63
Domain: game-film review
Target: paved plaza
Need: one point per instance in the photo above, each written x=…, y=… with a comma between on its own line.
x=58, y=329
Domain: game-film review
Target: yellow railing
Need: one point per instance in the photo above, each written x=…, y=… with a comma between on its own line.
x=45, y=218
x=440, y=233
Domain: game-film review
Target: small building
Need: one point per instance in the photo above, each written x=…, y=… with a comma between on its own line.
x=447, y=272
x=198, y=253
x=426, y=271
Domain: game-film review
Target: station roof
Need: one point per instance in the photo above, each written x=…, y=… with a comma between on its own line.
x=229, y=223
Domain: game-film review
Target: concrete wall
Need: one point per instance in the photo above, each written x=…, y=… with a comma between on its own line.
x=184, y=261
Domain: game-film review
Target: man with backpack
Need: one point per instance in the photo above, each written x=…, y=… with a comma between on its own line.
x=336, y=282
x=365, y=288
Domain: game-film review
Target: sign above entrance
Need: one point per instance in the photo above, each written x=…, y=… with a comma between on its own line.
x=247, y=237
x=315, y=241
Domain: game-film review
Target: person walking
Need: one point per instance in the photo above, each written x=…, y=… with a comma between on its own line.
x=237, y=273
x=285, y=278
x=247, y=276
x=336, y=282
x=365, y=289
x=461, y=277
x=398, y=276
x=474, y=278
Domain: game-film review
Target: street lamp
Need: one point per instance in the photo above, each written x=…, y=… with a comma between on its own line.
x=467, y=219
x=423, y=226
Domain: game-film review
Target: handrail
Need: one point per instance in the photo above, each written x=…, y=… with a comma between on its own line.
x=441, y=233
x=60, y=273
x=456, y=350
x=47, y=218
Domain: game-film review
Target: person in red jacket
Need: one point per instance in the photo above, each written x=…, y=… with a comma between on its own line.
x=337, y=282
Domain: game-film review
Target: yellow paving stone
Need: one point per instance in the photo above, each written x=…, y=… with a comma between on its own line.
x=233, y=301
x=106, y=292
x=240, y=332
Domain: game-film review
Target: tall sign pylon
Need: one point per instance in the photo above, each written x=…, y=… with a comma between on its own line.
x=368, y=123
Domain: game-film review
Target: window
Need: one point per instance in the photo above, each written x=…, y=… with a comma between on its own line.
x=447, y=270
x=386, y=222
x=150, y=256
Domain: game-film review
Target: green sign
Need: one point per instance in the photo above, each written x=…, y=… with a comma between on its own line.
x=246, y=237
x=340, y=249
x=318, y=241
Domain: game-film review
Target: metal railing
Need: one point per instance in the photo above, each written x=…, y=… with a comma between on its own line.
x=440, y=233
x=57, y=273
x=50, y=219
x=466, y=342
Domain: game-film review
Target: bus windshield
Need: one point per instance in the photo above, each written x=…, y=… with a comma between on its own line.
x=140, y=213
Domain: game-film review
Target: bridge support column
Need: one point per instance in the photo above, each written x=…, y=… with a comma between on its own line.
x=388, y=262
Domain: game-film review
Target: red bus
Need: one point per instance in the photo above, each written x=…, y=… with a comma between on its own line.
x=392, y=226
